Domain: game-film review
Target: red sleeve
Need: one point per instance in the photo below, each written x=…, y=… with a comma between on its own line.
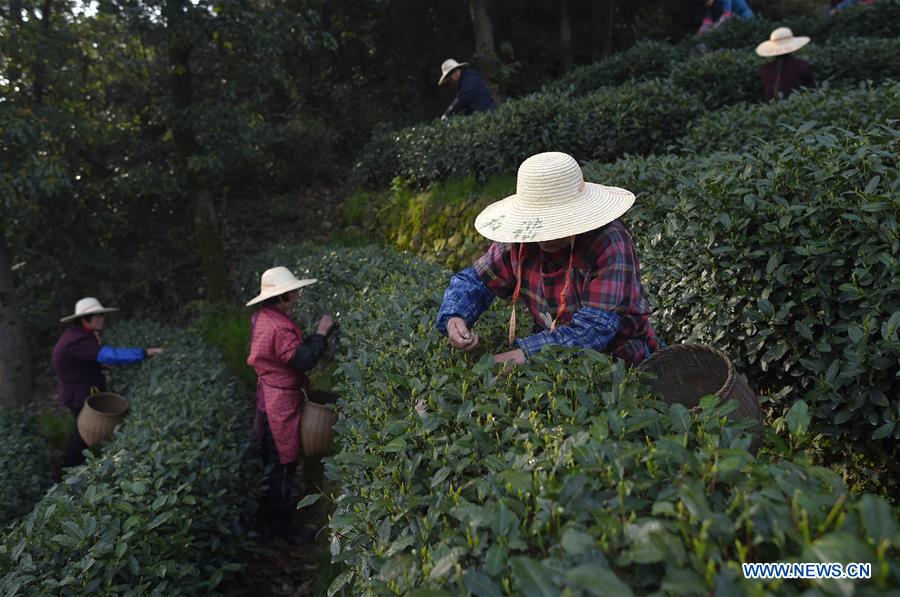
x=285, y=342
x=495, y=269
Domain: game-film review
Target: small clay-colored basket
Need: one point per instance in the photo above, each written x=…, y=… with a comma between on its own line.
x=316, y=424
x=101, y=413
x=687, y=372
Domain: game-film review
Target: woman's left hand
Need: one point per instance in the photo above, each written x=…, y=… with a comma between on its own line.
x=517, y=356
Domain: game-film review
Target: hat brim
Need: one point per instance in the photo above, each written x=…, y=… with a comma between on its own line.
x=88, y=314
x=769, y=49
x=510, y=221
x=447, y=74
x=281, y=290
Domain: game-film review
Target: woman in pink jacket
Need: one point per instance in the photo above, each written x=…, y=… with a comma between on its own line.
x=281, y=356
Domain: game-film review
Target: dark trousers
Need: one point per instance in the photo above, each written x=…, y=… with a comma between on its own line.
x=74, y=455
x=277, y=506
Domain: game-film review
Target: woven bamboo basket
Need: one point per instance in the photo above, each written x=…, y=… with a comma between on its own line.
x=687, y=372
x=101, y=413
x=316, y=423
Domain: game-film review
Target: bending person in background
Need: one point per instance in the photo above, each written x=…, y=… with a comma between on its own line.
x=785, y=73
x=472, y=93
x=78, y=360
x=724, y=10
x=281, y=356
x=560, y=248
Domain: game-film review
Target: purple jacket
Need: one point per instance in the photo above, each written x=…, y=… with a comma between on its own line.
x=77, y=360
x=783, y=76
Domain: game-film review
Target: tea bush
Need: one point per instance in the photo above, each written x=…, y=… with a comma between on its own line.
x=160, y=510
x=633, y=118
x=729, y=76
x=25, y=465
x=881, y=20
x=785, y=256
x=734, y=127
x=642, y=61
x=561, y=475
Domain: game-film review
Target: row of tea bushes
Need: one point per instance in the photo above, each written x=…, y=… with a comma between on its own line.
x=642, y=61
x=786, y=257
x=161, y=510
x=881, y=20
x=736, y=127
x=726, y=77
x=633, y=118
x=25, y=465
x=562, y=475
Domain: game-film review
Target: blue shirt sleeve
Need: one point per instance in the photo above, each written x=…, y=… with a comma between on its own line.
x=590, y=328
x=120, y=356
x=465, y=297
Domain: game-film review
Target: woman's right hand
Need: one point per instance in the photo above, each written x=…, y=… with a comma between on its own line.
x=459, y=335
x=326, y=324
x=152, y=352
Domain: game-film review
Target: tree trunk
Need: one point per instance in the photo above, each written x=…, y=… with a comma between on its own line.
x=40, y=67
x=15, y=358
x=484, y=39
x=15, y=54
x=602, y=26
x=206, y=230
x=565, y=35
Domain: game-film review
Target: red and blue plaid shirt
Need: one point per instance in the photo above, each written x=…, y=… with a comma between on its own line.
x=606, y=307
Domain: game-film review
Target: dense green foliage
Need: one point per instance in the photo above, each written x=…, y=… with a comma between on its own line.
x=644, y=60
x=162, y=508
x=560, y=474
x=608, y=123
x=632, y=118
x=729, y=76
x=785, y=256
x=25, y=467
x=879, y=20
x=734, y=127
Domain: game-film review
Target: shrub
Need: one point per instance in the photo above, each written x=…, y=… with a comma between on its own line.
x=25, y=466
x=746, y=34
x=784, y=256
x=732, y=128
x=634, y=118
x=560, y=475
x=159, y=510
x=726, y=77
x=879, y=20
x=642, y=61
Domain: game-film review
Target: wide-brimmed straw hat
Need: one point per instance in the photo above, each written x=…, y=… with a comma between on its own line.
x=782, y=41
x=552, y=201
x=87, y=306
x=448, y=67
x=276, y=281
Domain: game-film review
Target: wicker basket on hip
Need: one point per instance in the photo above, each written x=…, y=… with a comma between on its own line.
x=687, y=372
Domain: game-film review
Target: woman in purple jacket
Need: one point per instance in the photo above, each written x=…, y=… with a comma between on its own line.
x=78, y=360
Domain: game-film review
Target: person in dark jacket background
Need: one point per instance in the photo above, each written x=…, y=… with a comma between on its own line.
x=785, y=73
x=472, y=93
x=78, y=360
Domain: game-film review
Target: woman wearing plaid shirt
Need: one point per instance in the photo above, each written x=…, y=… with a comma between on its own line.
x=559, y=248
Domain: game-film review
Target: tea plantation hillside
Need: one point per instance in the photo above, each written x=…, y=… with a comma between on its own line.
x=637, y=102
x=162, y=508
x=564, y=475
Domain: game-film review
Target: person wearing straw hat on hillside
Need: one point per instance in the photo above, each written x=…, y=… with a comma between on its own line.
x=560, y=248
x=472, y=94
x=281, y=356
x=78, y=360
x=785, y=72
